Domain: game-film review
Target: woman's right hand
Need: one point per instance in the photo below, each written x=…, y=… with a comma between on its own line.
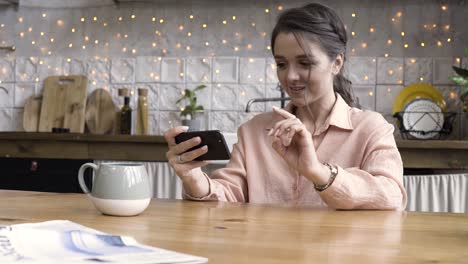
x=183, y=162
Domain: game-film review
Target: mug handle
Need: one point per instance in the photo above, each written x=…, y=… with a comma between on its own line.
x=81, y=173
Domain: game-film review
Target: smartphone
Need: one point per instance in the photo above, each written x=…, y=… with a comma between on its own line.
x=217, y=147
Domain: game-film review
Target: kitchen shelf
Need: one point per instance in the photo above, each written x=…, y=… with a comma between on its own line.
x=416, y=154
x=82, y=146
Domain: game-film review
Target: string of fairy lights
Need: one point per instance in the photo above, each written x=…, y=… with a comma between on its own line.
x=184, y=35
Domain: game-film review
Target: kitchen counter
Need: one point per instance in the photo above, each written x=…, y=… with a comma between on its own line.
x=427, y=154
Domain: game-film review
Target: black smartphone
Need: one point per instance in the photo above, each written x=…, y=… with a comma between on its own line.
x=217, y=147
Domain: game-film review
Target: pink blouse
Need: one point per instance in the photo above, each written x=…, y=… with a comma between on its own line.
x=360, y=143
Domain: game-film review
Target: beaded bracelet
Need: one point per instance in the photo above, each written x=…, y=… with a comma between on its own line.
x=333, y=172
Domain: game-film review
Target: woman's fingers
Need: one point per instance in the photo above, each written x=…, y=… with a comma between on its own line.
x=186, y=145
x=172, y=133
x=294, y=129
x=193, y=154
x=284, y=127
x=283, y=112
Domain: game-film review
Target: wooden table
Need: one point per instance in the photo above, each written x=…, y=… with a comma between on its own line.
x=416, y=154
x=242, y=233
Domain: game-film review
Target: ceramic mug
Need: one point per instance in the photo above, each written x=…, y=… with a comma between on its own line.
x=120, y=189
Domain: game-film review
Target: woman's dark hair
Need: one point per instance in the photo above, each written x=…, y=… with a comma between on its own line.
x=322, y=25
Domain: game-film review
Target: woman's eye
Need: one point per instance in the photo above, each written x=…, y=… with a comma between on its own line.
x=306, y=63
x=280, y=65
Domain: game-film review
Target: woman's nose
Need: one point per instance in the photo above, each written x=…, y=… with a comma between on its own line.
x=292, y=74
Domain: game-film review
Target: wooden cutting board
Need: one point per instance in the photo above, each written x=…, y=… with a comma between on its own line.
x=100, y=112
x=31, y=113
x=63, y=103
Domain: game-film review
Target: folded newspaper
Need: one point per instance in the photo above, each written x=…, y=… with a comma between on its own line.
x=61, y=241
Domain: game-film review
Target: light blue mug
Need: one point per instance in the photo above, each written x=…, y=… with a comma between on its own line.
x=120, y=189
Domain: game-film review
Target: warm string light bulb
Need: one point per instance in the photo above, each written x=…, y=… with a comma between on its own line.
x=225, y=21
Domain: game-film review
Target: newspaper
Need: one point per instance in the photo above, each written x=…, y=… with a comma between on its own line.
x=61, y=241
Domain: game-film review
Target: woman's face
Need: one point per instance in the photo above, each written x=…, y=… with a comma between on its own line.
x=293, y=67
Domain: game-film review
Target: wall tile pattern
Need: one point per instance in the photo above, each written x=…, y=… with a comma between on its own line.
x=226, y=95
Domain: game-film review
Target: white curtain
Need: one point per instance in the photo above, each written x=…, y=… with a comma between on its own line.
x=165, y=182
x=437, y=193
x=426, y=193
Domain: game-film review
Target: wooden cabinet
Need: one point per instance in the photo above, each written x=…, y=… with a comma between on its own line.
x=416, y=154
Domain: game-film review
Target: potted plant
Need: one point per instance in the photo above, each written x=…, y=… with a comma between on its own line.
x=191, y=111
x=461, y=78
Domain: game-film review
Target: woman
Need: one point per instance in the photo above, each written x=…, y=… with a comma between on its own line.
x=319, y=151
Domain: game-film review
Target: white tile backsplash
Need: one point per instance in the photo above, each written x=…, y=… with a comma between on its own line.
x=148, y=69
x=443, y=70
x=199, y=69
x=98, y=73
x=231, y=82
x=153, y=122
x=7, y=70
x=170, y=94
x=166, y=120
x=17, y=120
x=225, y=97
x=272, y=91
x=251, y=91
x=361, y=70
x=123, y=70
x=451, y=95
x=464, y=62
x=386, y=95
x=75, y=66
x=6, y=115
x=390, y=70
x=22, y=92
x=418, y=70
x=173, y=70
x=26, y=69
x=47, y=66
x=366, y=96
x=225, y=70
x=271, y=76
x=225, y=121
x=7, y=95
x=252, y=70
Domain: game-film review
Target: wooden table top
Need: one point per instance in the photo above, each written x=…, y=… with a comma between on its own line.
x=246, y=233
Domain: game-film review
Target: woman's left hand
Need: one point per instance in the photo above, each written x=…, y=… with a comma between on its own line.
x=293, y=142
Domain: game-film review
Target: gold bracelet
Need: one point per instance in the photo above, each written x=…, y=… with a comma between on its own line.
x=333, y=173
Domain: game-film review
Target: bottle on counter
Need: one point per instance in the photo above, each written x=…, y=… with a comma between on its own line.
x=142, y=112
x=122, y=92
x=126, y=114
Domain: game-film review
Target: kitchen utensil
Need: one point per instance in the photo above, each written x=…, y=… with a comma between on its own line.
x=423, y=118
x=100, y=112
x=63, y=103
x=416, y=91
x=31, y=113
